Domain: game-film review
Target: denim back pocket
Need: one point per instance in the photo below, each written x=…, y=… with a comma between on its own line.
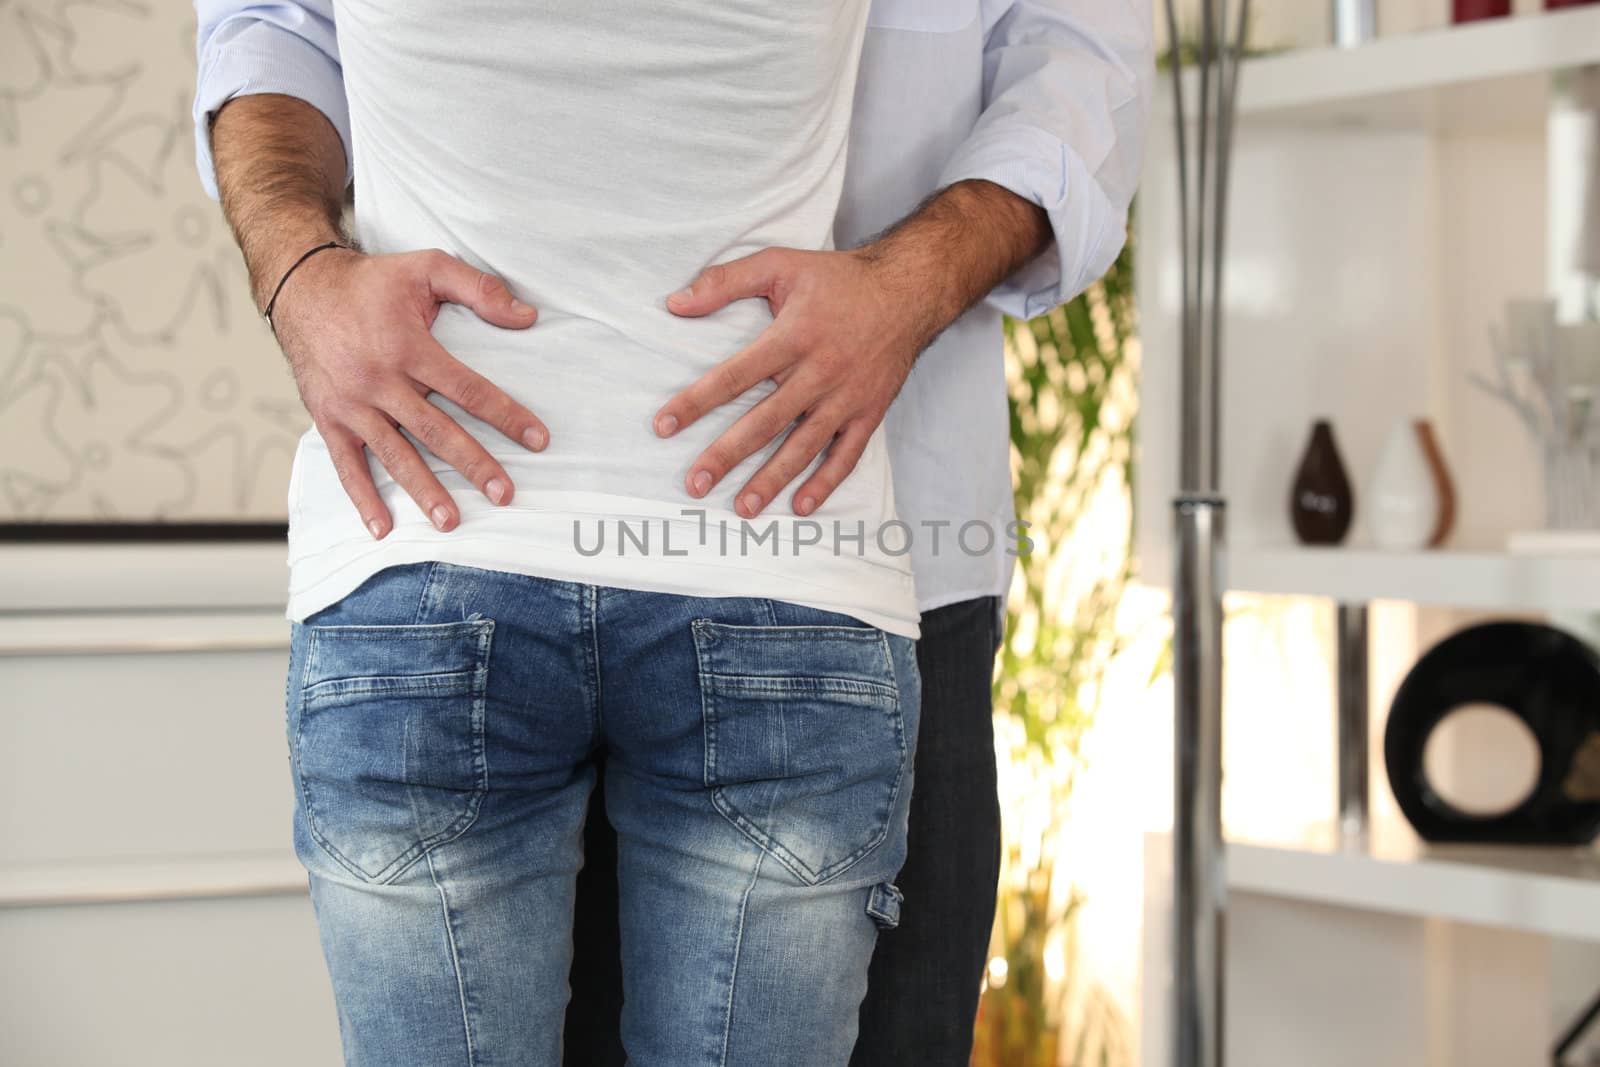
x=805, y=739
x=389, y=740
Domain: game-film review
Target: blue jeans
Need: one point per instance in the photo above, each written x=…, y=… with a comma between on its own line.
x=442, y=723
x=922, y=989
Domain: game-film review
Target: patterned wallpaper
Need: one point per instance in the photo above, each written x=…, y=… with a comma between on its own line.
x=137, y=381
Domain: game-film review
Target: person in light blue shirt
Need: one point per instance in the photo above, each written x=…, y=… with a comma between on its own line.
x=994, y=149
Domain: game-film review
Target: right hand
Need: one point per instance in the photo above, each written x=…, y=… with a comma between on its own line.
x=356, y=330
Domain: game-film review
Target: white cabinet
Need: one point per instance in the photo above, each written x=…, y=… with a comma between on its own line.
x=152, y=910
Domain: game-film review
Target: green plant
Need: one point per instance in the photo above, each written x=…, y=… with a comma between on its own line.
x=1071, y=378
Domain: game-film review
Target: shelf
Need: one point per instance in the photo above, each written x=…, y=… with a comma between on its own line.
x=1442, y=578
x=1482, y=75
x=1536, y=890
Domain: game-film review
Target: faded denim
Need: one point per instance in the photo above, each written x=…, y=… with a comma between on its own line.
x=441, y=723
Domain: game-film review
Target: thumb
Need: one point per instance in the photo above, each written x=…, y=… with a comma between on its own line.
x=722, y=283
x=459, y=283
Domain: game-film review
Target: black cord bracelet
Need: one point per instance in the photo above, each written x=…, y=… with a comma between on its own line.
x=267, y=314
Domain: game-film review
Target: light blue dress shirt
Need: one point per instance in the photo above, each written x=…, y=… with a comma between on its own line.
x=1047, y=98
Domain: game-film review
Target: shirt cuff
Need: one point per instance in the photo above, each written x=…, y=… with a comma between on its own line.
x=1088, y=229
x=266, y=59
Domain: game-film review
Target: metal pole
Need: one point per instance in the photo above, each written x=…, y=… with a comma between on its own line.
x=1355, y=22
x=1200, y=883
x=1354, y=787
x=1199, y=876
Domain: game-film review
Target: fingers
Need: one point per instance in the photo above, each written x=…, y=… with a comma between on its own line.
x=765, y=357
x=445, y=438
x=448, y=376
x=374, y=428
x=722, y=283
x=805, y=443
x=350, y=463
x=460, y=283
x=843, y=455
x=407, y=468
x=752, y=432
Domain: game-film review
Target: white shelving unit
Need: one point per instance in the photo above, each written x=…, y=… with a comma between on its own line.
x=1480, y=580
x=1387, y=201
x=1400, y=954
x=1439, y=77
x=1552, y=892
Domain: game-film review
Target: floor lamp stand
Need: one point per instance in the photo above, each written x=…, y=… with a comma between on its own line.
x=1199, y=890
x=1203, y=142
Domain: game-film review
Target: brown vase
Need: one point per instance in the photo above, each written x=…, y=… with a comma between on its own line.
x=1321, y=504
x=1429, y=443
x=1473, y=10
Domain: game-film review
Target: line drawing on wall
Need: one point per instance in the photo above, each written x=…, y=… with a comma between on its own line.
x=138, y=383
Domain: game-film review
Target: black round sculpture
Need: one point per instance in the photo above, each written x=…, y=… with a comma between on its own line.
x=1545, y=677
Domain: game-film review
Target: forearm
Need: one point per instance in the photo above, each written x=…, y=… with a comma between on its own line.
x=958, y=244
x=280, y=174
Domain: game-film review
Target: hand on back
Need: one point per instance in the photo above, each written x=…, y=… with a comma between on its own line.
x=356, y=329
x=846, y=330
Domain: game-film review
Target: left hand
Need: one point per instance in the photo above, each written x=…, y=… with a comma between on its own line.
x=845, y=331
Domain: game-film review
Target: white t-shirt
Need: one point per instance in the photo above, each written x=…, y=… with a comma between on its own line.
x=597, y=157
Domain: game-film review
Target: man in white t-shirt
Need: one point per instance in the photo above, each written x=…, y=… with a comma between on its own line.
x=1026, y=119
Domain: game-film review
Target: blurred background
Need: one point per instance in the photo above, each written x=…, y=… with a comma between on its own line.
x=1404, y=185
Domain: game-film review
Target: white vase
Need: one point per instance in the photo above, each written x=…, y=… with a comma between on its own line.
x=1403, y=502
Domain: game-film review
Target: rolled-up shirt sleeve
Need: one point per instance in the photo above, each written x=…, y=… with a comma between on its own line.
x=288, y=48
x=1067, y=86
